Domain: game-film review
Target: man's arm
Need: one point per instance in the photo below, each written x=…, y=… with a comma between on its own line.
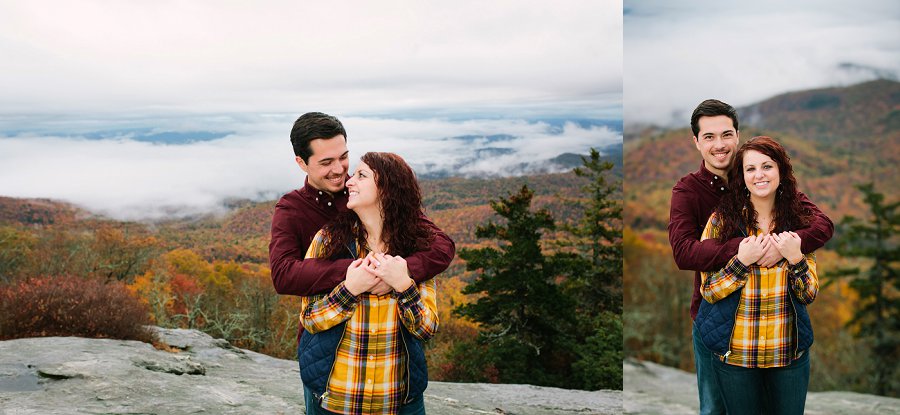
x=425, y=265
x=291, y=274
x=684, y=236
x=819, y=231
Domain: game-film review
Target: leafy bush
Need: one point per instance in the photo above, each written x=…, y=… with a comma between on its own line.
x=71, y=306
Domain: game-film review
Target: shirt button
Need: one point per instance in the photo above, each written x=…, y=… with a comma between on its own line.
x=371, y=357
x=710, y=182
x=373, y=331
x=320, y=192
x=721, y=188
x=329, y=203
x=763, y=338
x=369, y=381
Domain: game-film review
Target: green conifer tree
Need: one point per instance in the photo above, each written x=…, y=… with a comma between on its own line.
x=878, y=316
x=525, y=317
x=598, y=287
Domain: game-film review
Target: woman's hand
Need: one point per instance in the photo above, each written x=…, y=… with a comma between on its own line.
x=359, y=279
x=390, y=269
x=752, y=248
x=788, y=243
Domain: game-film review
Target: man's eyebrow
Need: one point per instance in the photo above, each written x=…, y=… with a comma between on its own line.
x=332, y=158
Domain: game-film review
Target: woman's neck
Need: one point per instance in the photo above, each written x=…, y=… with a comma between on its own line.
x=764, y=209
x=373, y=223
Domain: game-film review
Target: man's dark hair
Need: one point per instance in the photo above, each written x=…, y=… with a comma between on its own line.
x=312, y=126
x=712, y=108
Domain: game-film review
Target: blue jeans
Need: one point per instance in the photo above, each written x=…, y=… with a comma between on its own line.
x=711, y=402
x=748, y=391
x=415, y=407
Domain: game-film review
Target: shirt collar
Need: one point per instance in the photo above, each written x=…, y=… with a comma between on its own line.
x=323, y=198
x=710, y=179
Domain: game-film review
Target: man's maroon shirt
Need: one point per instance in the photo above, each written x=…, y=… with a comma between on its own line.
x=300, y=214
x=694, y=198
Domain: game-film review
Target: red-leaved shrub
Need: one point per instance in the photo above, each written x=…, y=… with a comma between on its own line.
x=71, y=306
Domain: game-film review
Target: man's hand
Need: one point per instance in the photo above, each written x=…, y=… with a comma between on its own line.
x=392, y=270
x=359, y=279
x=752, y=248
x=788, y=243
x=770, y=257
x=381, y=288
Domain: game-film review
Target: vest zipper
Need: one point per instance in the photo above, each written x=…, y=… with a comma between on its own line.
x=728, y=353
x=333, y=363
x=796, y=323
x=408, y=360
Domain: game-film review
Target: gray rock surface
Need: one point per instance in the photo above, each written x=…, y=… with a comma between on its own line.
x=654, y=389
x=202, y=375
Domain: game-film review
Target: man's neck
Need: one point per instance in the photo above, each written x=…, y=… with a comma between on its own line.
x=720, y=173
x=327, y=192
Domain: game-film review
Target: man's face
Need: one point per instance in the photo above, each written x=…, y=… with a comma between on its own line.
x=717, y=142
x=328, y=164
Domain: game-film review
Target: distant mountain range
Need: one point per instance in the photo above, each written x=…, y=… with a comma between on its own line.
x=836, y=137
x=561, y=163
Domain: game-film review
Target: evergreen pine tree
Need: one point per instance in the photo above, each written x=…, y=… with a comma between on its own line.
x=525, y=317
x=878, y=316
x=598, y=284
x=595, y=280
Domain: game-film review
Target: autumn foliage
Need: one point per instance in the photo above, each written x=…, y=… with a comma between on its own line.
x=71, y=306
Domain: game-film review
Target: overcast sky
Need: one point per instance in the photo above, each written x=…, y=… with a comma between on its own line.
x=498, y=58
x=680, y=53
x=404, y=76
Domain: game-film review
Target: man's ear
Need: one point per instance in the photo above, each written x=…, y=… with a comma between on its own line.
x=302, y=164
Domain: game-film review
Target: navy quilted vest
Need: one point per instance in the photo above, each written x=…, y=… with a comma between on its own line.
x=316, y=354
x=715, y=322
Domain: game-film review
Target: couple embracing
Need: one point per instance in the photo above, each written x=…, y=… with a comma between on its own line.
x=741, y=223
x=360, y=252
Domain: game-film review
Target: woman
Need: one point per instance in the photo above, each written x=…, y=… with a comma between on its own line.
x=362, y=353
x=754, y=319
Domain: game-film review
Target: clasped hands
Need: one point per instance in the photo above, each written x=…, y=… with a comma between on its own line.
x=767, y=250
x=378, y=274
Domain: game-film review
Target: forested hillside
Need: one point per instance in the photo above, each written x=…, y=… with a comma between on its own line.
x=837, y=138
x=211, y=272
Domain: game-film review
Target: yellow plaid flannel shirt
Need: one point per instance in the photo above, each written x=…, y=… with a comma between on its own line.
x=369, y=374
x=764, y=331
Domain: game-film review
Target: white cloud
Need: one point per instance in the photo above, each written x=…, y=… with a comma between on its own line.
x=130, y=179
x=207, y=56
x=678, y=54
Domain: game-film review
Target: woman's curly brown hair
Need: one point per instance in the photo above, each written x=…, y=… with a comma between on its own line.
x=401, y=207
x=735, y=212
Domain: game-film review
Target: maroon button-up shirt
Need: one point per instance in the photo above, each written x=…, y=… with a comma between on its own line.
x=300, y=214
x=694, y=198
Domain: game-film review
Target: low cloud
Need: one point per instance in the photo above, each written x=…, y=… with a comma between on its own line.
x=129, y=179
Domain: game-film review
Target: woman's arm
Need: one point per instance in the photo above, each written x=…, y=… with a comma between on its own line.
x=418, y=309
x=322, y=312
x=804, y=279
x=717, y=285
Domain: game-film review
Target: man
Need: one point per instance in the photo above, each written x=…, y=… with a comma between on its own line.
x=694, y=197
x=320, y=149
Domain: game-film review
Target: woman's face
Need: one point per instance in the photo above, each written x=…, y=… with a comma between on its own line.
x=361, y=188
x=761, y=175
